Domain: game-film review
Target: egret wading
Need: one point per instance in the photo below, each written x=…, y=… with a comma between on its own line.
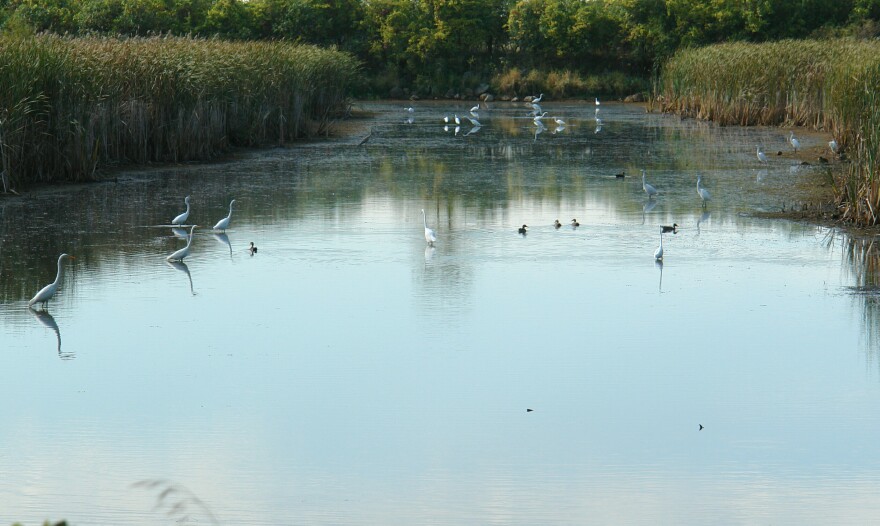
x=761, y=156
x=46, y=293
x=430, y=237
x=658, y=254
x=181, y=219
x=223, y=224
x=703, y=193
x=796, y=144
x=183, y=252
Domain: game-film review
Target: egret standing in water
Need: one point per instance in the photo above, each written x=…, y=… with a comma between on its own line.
x=538, y=99
x=181, y=219
x=833, y=145
x=183, y=252
x=702, y=192
x=796, y=144
x=597, y=101
x=223, y=224
x=658, y=254
x=650, y=190
x=761, y=156
x=430, y=237
x=46, y=293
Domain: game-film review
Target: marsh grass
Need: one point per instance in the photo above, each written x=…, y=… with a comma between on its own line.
x=71, y=105
x=828, y=85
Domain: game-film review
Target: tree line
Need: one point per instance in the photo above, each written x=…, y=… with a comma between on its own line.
x=433, y=46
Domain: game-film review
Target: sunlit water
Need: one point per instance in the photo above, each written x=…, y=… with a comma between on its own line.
x=348, y=374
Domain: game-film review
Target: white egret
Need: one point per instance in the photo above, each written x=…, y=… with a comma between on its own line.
x=658, y=254
x=796, y=144
x=181, y=219
x=223, y=224
x=446, y=119
x=597, y=101
x=650, y=190
x=537, y=99
x=833, y=145
x=667, y=228
x=761, y=156
x=46, y=293
x=457, y=120
x=410, y=109
x=558, y=121
x=252, y=249
x=537, y=118
x=430, y=237
x=557, y=224
x=523, y=229
x=183, y=252
x=702, y=192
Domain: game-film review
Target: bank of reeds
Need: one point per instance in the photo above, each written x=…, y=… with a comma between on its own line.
x=71, y=105
x=829, y=85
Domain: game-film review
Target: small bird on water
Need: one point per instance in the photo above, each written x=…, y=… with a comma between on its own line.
x=529, y=410
x=701, y=427
x=557, y=224
x=522, y=230
x=667, y=228
x=574, y=223
x=252, y=249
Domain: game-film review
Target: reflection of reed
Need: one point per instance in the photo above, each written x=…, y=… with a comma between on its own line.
x=47, y=320
x=862, y=256
x=177, y=502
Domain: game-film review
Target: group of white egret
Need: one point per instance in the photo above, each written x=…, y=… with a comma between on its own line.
x=47, y=292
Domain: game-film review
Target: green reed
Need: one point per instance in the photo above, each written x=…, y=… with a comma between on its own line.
x=71, y=105
x=828, y=85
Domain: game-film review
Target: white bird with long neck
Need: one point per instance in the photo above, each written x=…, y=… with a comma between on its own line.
x=223, y=224
x=796, y=144
x=761, y=155
x=658, y=254
x=46, y=293
x=538, y=99
x=703, y=193
x=650, y=190
x=430, y=237
x=183, y=252
x=181, y=219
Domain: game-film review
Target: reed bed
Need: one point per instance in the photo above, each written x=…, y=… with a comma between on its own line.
x=828, y=85
x=71, y=105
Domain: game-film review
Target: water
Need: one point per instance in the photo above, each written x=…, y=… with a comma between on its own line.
x=348, y=374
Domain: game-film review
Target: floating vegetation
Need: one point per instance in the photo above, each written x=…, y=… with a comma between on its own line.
x=828, y=85
x=69, y=106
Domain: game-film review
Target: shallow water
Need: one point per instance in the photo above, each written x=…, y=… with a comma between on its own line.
x=348, y=374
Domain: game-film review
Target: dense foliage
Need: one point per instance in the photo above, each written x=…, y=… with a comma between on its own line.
x=436, y=45
x=831, y=85
x=71, y=105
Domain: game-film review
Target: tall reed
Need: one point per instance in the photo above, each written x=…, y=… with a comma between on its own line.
x=71, y=105
x=826, y=85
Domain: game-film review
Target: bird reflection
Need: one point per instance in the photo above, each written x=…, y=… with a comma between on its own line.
x=539, y=129
x=181, y=266
x=647, y=208
x=429, y=253
x=559, y=129
x=180, y=233
x=475, y=129
x=223, y=238
x=703, y=217
x=659, y=264
x=760, y=176
x=47, y=320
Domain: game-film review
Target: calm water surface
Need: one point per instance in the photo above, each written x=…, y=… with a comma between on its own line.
x=348, y=374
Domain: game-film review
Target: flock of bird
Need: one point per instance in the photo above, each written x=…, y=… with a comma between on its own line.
x=47, y=292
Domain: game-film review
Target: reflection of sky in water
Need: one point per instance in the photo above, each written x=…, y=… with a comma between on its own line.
x=345, y=374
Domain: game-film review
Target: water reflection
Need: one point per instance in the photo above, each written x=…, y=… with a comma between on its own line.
x=47, y=320
x=223, y=239
x=181, y=266
x=659, y=264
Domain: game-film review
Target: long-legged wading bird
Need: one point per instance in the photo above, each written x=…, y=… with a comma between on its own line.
x=761, y=156
x=796, y=144
x=650, y=190
x=46, y=293
x=183, y=252
x=702, y=192
x=430, y=237
x=658, y=254
x=181, y=219
x=223, y=224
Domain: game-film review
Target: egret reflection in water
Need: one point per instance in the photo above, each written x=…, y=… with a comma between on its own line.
x=180, y=233
x=221, y=237
x=181, y=266
x=659, y=264
x=48, y=321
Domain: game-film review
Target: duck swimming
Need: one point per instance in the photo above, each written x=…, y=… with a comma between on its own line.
x=667, y=228
x=574, y=223
x=522, y=229
x=557, y=224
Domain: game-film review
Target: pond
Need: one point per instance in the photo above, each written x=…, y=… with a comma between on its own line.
x=349, y=373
